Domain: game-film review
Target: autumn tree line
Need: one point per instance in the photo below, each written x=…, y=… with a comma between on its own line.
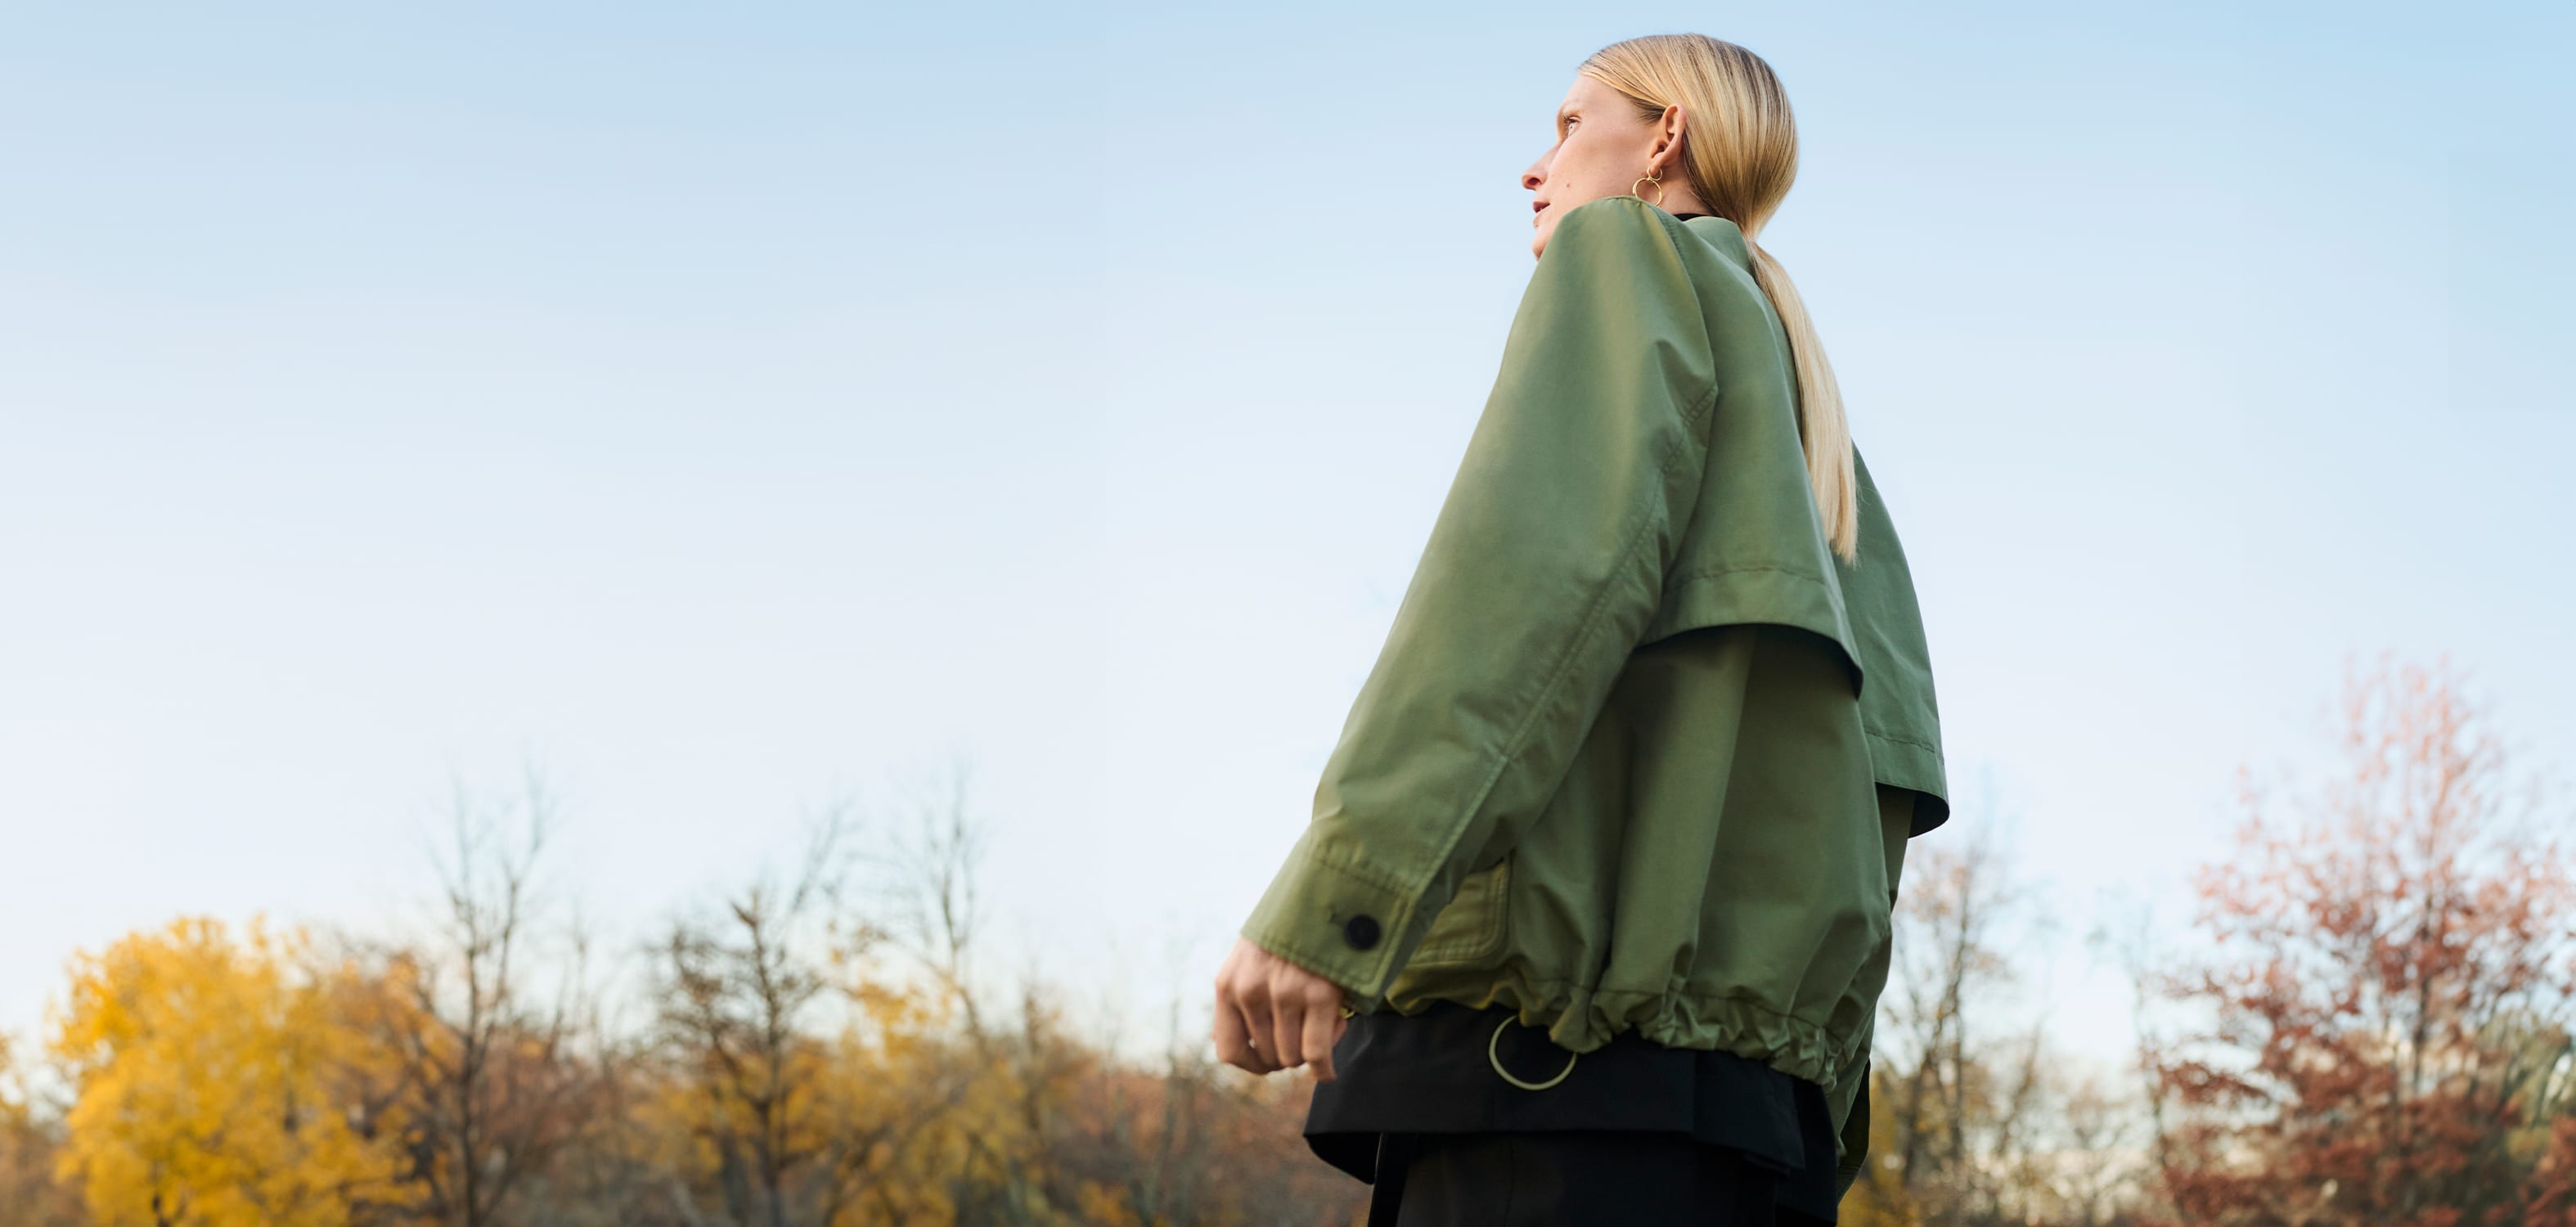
x=2367, y=1020
x=812, y=1050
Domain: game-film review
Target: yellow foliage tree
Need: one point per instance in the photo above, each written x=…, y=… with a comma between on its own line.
x=217, y=1085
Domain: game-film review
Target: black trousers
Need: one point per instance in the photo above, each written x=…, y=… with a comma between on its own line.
x=1567, y=1178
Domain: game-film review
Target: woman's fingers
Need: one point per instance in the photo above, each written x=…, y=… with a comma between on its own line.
x=1287, y=1021
x=1323, y=1027
x=1229, y=1032
x=1238, y=1023
x=1272, y=1014
x=1256, y=1038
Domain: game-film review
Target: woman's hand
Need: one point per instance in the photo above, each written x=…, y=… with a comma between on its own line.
x=1272, y=1014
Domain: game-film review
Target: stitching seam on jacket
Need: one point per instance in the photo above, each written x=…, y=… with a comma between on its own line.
x=1302, y=955
x=1901, y=740
x=1717, y=571
x=1361, y=871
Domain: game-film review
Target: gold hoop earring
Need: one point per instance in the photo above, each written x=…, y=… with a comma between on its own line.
x=1658, y=181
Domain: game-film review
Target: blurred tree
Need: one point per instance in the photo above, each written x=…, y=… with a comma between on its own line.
x=2387, y=992
x=31, y=1142
x=492, y=1070
x=1974, y=1120
x=215, y=1083
x=797, y=1085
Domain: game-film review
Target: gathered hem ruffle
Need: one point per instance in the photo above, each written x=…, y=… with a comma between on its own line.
x=1582, y=1019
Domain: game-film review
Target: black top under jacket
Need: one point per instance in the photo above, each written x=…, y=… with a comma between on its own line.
x=1432, y=1072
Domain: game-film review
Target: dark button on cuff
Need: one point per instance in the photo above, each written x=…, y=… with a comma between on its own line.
x=1360, y=931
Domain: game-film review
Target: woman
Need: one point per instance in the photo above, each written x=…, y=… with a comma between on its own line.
x=1591, y=919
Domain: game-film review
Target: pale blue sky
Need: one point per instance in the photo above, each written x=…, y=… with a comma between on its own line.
x=726, y=409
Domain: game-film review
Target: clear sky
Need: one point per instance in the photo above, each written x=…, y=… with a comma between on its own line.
x=729, y=409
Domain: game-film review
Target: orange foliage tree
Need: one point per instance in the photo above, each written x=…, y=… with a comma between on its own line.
x=2387, y=992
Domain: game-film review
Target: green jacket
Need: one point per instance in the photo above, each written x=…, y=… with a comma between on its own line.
x=1616, y=765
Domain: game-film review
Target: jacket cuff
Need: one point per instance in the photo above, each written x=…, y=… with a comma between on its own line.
x=1338, y=922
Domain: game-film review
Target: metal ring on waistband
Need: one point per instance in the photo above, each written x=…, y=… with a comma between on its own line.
x=1496, y=1057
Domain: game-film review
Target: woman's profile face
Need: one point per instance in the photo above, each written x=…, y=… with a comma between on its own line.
x=1602, y=148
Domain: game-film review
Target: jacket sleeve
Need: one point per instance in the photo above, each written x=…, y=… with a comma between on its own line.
x=1543, y=567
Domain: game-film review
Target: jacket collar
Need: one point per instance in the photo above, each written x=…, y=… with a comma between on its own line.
x=1723, y=235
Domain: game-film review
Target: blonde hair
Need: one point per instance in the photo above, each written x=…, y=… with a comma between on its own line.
x=1740, y=153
